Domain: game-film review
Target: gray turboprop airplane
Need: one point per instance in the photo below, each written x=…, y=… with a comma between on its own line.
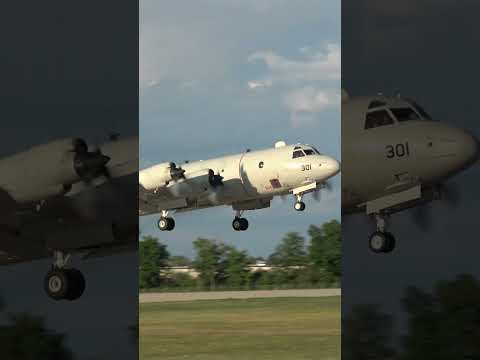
x=394, y=157
x=61, y=198
x=245, y=181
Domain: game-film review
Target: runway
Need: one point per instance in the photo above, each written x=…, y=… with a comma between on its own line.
x=221, y=295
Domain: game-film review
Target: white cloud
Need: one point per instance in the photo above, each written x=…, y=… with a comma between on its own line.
x=304, y=102
x=316, y=66
x=259, y=84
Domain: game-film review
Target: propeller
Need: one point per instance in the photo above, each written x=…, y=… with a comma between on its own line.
x=89, y=164
x=317, y=192
x=448, y=194
x=215, y=180
x=176, y=172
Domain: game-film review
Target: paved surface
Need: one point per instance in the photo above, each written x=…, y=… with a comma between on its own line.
x=219, y=295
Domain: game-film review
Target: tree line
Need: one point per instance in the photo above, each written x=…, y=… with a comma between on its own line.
x=296, y=262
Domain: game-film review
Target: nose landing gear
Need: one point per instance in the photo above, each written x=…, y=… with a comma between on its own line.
x=299, y=204
x=381, y=241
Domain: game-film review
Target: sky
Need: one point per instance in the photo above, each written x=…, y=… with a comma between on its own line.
x=218, y=77
x=413, y=49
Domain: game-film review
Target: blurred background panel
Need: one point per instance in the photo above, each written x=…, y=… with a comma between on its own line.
x=69, y=71
x=410, y=302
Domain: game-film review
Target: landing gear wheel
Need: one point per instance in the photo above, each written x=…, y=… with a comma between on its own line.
x=390, y=242
x=166, y=224
x=57, y=283
x=378, y=242
x=299, y=206
x=240, y=224
x=76, y=286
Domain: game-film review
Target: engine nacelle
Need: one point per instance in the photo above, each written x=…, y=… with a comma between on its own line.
x=195, y=183
x=155, y=176
x=49, y=169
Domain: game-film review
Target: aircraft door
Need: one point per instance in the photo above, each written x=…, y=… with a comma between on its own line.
x=259, y=173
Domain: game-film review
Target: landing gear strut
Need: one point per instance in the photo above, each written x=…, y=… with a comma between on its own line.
x=61, y=283
x=239, y=223
x=381, y=241
x=166, y=223
x=299, y=204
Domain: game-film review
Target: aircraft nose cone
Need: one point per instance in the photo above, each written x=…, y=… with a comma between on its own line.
x=468, y=149
x=331, y=165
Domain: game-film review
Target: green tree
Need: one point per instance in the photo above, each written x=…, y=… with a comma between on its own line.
x=208, y=261
x=178, y=260
x=25, y=337
x=290, y=252
x=153, y=256
x=325, y=250
x=236, y=270
x=444, y=324
x=367, y=334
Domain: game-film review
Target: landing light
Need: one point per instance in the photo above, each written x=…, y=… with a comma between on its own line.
x=280, y=144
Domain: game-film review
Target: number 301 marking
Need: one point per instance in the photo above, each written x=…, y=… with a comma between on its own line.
x=306, y=167
x=399, y=150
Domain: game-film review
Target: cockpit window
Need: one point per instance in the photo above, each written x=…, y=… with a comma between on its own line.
x=378, y=118
x=298, y=153
x=404, y=114
x=309, y=152
x=420, y=110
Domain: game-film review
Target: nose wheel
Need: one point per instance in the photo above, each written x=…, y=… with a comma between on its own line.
x=381, y=241
x=299, y=204
x=165, y=223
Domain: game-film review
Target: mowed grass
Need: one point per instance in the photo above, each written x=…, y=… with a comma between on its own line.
x=276, y=329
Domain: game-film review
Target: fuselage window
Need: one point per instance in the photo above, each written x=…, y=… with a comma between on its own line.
x=298, y=153
x=404, y=114
x=378, y=118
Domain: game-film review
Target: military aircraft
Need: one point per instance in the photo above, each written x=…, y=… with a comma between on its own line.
x=395, y=157
x=62, y=198
x=245, y=181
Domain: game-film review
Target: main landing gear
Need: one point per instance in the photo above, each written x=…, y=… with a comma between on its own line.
x=166, y=223
x=299, y=204
x=381, y=241
x=62, y=283
x=239, y=223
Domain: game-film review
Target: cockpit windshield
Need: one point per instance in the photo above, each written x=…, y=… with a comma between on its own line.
x=420, y=110
x=404, y=114
x=300, y=151
x=297, y=154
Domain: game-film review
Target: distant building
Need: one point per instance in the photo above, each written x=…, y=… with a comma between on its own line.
x=190, y=270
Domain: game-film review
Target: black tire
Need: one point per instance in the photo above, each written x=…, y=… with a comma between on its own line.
x=390, y=242
x=237, y=224
x=57, y=284
x=244, y=223
x=299, y=206
x=77, y=284
x=378, y=242
x=171, y=224
x=166, y=224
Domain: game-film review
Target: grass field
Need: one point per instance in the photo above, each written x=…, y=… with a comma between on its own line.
x=259, y=329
